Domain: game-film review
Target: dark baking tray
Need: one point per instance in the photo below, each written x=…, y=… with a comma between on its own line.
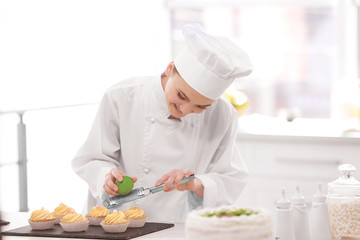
x=93, y=232
x=2, y=222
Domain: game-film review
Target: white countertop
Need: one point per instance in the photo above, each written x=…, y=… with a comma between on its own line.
x=258, y=127
x=19, y=219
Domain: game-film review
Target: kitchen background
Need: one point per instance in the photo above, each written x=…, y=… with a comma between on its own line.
x=299, y=110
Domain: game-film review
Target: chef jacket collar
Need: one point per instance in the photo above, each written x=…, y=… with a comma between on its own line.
x=160, y=97
x=162, y=103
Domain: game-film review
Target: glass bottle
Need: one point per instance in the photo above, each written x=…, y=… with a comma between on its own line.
x=343, y=201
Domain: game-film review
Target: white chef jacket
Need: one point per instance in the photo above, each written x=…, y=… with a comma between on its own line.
x=132, y=133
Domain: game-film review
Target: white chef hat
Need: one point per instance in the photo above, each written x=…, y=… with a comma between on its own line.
x=209, y=64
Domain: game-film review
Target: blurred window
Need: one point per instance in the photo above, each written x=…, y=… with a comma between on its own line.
x=293, y=45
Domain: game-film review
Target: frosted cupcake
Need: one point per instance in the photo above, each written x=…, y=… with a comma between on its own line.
x=61, y=211
x=97, y=215
x=74, y=222
x=115, y=222
x=41, y=220
x=136, y=216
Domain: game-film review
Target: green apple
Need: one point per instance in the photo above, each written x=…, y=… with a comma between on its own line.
x=125, y=186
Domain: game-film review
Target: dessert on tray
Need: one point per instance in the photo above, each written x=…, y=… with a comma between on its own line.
x=97, y=215
x=115, y=222
x=61, y=211
x=71, y=221
x=74, y=222
x=41, y=220
x=136, y=216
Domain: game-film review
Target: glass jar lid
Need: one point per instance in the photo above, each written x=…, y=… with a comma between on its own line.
x=346, y=184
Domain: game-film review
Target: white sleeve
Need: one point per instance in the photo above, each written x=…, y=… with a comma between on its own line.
x=101, y=151
x=226, y=177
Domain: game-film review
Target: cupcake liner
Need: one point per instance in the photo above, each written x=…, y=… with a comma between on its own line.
x=136, y=223
x=74, y=227
x=58, y=219
x=118, y=228
x=95, y=221
x=42, y=225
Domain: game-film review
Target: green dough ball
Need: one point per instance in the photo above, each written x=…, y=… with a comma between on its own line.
x=125, y=186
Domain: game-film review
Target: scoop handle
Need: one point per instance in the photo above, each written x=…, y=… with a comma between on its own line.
x=159, y=188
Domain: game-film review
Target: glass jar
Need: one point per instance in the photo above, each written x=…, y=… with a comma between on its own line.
x=343, y=201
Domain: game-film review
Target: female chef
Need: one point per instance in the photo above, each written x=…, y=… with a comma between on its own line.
x=160, y=129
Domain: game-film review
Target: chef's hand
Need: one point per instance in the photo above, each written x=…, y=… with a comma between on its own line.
x=175, y=176
x=109, y=185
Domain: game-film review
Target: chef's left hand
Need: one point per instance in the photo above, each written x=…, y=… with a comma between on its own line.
x=174, y=177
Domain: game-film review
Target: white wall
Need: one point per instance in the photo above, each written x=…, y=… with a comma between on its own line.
x=55, y=53
x=69, y=51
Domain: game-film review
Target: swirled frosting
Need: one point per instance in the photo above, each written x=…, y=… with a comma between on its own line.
x=73, y=218
x=134, y=213
x=41, y=215
x=115, y=218
x=62, y=210
x=98, y=212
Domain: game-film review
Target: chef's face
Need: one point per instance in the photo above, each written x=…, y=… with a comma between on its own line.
x=180, y=97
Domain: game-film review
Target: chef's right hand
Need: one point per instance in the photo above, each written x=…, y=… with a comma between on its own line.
x=109, y=185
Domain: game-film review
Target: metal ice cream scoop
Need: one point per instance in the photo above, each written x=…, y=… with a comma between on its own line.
x=138, y=193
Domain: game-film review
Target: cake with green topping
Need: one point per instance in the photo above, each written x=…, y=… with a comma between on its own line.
x=229, y=222
x=230, y=213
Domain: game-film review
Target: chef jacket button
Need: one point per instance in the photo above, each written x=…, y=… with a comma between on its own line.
x=152, y=120
x=146, y=170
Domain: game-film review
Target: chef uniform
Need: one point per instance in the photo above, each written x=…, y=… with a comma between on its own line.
x=133, y=133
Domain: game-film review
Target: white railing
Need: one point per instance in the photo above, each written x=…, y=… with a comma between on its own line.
x=22, y=161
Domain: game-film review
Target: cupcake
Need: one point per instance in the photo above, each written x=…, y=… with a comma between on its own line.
x=61, y=211
x=115, y=222
x=41, y=220
x=74, y=222
x=97, y=214
x=136, y=216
